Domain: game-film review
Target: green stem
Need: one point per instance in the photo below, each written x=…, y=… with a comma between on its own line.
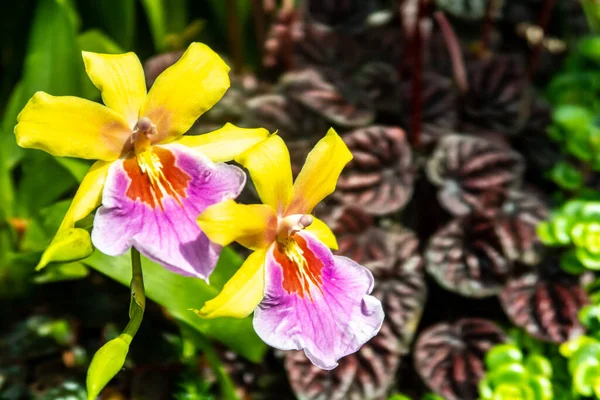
x=138, y=297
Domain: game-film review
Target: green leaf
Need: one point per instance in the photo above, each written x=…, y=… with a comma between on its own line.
x=178, y=294
x=107, y=362
x=502, y=354
x=115, y=17
x=566, y=176
x=68, y=245
x=590, y=48
x=538, y=365
x=508, y=373
x=585, y=376
x=96, y=41
x=542, y=388
x=165, y=17
x=43, y=181
x=62, y=272
x=53, y=61
x=571, y=264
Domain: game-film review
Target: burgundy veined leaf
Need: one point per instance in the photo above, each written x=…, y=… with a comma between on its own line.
x=364, y=375
x=384, y=42
x=277, y=112
x=545, y=305
x=494, y=99
x=449, y=357
x=380, y=84
x=393, y=257
x=310, y=88
x=380, y=177
x=516, y=222
x=466, y=257
x=469, y=170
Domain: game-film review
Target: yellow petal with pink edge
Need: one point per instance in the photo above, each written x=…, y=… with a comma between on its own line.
x=269, y=166
x=253, y=226
x=242, y=293
x=320, y=173
x=72, y=127
x=184, y=91
x=226, y=143
x=120, y=79
x=323, y=233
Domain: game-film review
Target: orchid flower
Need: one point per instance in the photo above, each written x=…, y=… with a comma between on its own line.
x=303, y=297
x=150, y=180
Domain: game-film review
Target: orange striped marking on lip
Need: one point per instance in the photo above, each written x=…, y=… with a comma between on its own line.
x=301, y=267
x=154, y=175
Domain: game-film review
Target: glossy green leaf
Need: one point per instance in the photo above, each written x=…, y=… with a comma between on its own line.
x=585, y=376
x=513, y=373
x=503, y=354
x=571, y=264
x=541, y=387
x=538, y=365
x=68, y=245
x=178, y=294
x=107, y=362
x=590, y=48
x=98, y=42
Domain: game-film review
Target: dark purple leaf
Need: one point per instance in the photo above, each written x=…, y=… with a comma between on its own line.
x=364, y=375
x=470, y=170
x=546, y=306
x=449, y=357
x=466, y=257
x=380, y=178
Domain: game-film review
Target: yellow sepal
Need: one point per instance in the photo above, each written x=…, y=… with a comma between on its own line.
x=320, y=173
x=242, y=293
x=226, y=143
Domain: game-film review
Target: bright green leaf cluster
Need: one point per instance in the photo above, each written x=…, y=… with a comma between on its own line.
x=510, y=376
x=583, y=354
x=577, y=223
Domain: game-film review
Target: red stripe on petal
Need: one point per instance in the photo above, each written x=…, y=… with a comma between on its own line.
x=154, y=175
x=302, y=269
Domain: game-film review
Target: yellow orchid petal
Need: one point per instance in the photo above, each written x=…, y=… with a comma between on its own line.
x=242, y=293
x=72, y=243
x=323, y=233
x=185, y=90
x=88, y=196
x=269, y=165
x=253, y=226
x=71, y=127
x=226, y=143
x=320, y=173
x=120, y=79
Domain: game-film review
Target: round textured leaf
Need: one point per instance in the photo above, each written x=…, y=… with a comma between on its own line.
x=545, y=306
x=494, y=99
x=516, y=223
x=364, y=375
x=449, y=357
x=466, y=257
x=311, y=88
x=380, y=177
x=470, y=170
x=503, y=354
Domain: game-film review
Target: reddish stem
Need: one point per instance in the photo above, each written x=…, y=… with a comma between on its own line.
x=417, y=80
x=235, y=40
x=458, y=64
x=543, y=20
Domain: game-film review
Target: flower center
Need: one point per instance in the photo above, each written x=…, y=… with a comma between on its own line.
x=291, y=224
x=302, y=269
x=141, y=135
